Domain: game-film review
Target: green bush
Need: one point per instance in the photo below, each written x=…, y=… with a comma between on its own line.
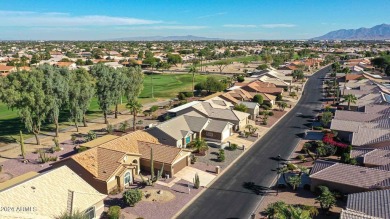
x=81, y=149
x=265, y=107
x=240, y=79
x=153, y=108
x=301, y=158
x=318, y=128
x=188, y=94
x=132, y=196
x=221, y=155
x=233, y=147
x=270, y=113
x=181, y=96
x=114, y=212
x=291, y=166
x=279, y=97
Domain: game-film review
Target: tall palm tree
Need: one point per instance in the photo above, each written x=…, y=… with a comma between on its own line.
x=350, y=98
x=135, y=107
x=193, y=70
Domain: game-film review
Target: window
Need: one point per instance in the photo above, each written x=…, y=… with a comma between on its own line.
x=209, y=134
x=127, y=178
x=90, y=212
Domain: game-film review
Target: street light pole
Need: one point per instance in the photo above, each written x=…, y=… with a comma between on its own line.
x=277, y=180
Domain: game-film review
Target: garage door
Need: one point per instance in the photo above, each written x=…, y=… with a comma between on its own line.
x=179, y=165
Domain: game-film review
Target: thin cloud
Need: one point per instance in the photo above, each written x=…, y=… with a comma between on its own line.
x=277, y=25
x=166, y=27
x=28, y=18
x=212, y=15
x=240, y=25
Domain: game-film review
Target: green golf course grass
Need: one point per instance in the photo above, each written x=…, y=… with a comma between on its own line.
x=165, y=86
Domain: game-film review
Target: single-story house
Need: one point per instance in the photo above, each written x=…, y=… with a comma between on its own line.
x=181, y=130
x=262, y=87
x=253, y=109
x=237, y=118
x=49, y=195
x=174, y=159
x=105, y=169
x=367, y=205
x=359, y=179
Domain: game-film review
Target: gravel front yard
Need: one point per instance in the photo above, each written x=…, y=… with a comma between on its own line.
x=212, y=154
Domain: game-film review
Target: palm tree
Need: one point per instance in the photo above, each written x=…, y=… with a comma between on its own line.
x=326, y=198
x=135, y=107
x=350, y=98
x=199, y=144
x=193, y=70
x=294, y=181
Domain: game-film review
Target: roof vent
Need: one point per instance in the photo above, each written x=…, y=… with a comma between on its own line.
x=363, y=171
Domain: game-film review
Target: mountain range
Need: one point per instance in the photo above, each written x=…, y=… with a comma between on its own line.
x=166, y=38
x=378, y=32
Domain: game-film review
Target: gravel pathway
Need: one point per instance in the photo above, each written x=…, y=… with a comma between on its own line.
x=157, y=210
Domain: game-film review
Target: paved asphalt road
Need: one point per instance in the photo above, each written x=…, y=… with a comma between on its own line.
x=227, y=197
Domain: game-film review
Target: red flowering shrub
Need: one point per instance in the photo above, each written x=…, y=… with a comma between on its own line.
x=329, y=139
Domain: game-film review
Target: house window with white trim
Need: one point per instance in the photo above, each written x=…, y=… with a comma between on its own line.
x=90, y=213
x=127, y=178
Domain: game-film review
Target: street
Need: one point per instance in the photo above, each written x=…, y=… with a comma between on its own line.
x=228, y=197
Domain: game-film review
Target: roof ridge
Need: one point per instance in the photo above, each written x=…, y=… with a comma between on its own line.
x=325, y=161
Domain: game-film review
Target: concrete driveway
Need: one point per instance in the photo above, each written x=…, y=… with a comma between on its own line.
x=188, y=174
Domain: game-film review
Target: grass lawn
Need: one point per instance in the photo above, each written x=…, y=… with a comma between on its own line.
x=251, y=58
x=165, y=86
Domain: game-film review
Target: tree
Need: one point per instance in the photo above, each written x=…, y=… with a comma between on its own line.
x=221, y=64
x=81, y=92
x=279, y=97
x=262, y=67
x=174, y=59
x=295, y=181
x=193, y=70
x=326, y=198
x=105, y=91
x=56, y=88
x=240, y=78
x=135, y=82
x=326, y=118
x=282, y=105
x=135, y=107
x=350, y=98
x=212, y=84
x=119, y=85
x=24, y=91
x=240, y=107
x=132, y=196
x=298, y=74
x=293, y=94
x=199, y=144
x=258, y=99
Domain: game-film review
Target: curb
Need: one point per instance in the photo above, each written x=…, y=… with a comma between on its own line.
x=231, y=164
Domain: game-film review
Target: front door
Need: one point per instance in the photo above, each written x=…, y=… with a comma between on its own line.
x=127, y=178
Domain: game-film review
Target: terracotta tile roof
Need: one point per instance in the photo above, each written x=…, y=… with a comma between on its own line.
x=6, y=68
x=161, y=153
x=349, y=77
x=360, y=177
x=129, y=143
x=64, y=64
x=100, y=162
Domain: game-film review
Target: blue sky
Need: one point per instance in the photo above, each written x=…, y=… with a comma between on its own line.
x=228, y=19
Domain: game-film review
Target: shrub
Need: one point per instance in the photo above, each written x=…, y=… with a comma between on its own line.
x=188, y=94
x=114, y=212
x=153, y=108
x=81, y=149
x=265, y=107
x=233, y=147
x=167, y=117
x=240, y=79
x=110, y=128
x=291, y=166
x=270, y=113
x=300, y=157
x=132, y=196
x=221, y=155
x=265, y=123
x=279, y=97
x=318, y=128
x=181, y=96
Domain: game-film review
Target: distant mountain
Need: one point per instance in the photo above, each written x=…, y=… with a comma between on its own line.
x=167, y=38
x=379, y=32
